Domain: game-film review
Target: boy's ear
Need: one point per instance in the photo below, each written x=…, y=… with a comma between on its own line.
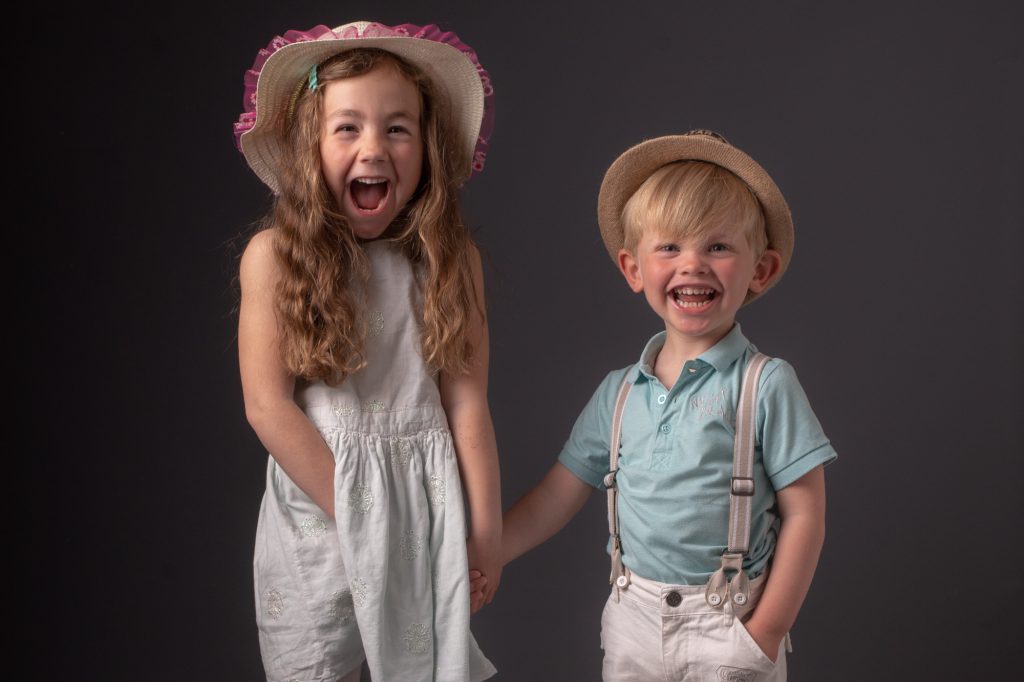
x=631, y=270
x=765, y=270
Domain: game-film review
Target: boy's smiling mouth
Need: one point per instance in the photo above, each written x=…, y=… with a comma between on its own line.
x=691, y=297
x=369, y=194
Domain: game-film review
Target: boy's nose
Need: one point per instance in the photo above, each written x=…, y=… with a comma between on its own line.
x=691, y=261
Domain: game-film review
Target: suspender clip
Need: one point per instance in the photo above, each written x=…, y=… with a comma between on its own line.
x=609, y=478
x=742, y=486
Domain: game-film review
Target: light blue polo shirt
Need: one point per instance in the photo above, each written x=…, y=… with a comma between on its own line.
x=675, y=461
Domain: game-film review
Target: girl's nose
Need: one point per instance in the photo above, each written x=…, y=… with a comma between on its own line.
x=372, y=149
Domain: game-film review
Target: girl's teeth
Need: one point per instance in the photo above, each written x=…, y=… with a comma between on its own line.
x=370, y=181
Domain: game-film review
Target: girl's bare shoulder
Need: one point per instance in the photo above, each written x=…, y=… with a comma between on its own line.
x=259, y=263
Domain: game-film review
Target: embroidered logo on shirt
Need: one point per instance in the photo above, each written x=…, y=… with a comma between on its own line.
x=715, y=404
x=729, y=674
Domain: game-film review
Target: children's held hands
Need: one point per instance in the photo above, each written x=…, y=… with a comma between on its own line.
x=485, y=557
x=477, y=582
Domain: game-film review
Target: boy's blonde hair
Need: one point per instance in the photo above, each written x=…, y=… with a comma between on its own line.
x=691, y=199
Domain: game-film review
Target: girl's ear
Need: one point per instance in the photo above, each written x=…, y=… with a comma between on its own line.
x=631, y=270
x=765, y=270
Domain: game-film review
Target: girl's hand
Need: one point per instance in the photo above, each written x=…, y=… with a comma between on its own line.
x=485, y=557
x=477, y=582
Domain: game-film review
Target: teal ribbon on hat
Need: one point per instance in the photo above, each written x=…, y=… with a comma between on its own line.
x=312, y=78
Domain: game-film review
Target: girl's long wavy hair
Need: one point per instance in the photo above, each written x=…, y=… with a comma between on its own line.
x=321, y=305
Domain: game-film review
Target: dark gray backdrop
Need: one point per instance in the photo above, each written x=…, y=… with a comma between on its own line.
x=893, y=130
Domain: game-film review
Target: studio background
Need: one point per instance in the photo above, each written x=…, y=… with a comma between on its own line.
x=894, y=131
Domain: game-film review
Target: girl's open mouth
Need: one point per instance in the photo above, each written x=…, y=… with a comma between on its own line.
x=369, y=194
x=693, y=297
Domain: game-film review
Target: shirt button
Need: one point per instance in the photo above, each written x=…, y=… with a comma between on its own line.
x=665, y=428
x=674, y=599
x=662, y=398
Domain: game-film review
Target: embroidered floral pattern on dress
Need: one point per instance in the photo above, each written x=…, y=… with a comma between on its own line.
x=343, y=410
x=376, y=323
x=410, y=545
x=374, y=406
x=416, y=638
x=273, y=603
x=342, y=606
x=401, y=450
x=437, y=487
x=360, y=498
x=359, y=591
x=313, y=527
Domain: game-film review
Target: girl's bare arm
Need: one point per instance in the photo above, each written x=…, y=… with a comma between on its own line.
x=464, y=398
x=268, y=387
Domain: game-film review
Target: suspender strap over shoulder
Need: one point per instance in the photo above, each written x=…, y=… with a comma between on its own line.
x=618, y=575
x=730, y=577
x=741, y=492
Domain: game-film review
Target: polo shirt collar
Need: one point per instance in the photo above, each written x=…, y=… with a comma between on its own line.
x=720, y=356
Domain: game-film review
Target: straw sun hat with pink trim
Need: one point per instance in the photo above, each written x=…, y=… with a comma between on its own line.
x=282, y=66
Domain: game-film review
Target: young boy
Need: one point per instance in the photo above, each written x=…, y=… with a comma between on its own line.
x=701, y=229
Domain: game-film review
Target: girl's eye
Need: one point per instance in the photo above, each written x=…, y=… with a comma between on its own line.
x=345, y=128
x=398, y=130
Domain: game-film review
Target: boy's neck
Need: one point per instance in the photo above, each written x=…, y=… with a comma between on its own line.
x=678, y=350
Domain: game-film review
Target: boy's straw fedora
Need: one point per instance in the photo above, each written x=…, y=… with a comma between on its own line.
x=636, y=164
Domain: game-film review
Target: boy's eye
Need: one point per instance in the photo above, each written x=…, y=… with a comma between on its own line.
x=718, y=247
x=668, y=247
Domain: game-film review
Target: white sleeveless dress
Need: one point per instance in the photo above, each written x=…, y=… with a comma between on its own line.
x=387, y=580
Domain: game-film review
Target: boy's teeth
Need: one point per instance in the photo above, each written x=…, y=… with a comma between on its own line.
x=693, y=297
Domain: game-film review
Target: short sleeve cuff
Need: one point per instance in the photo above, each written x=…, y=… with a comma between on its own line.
x=588, y=476
x=822, y=455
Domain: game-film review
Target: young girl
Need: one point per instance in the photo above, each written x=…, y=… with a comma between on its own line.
x=363, y=354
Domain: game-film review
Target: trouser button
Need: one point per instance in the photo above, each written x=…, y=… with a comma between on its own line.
x=674, y=599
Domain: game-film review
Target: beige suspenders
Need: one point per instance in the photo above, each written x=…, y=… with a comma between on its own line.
x=740, y=494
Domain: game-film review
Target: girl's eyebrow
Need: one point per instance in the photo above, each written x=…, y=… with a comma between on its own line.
x=352, y=113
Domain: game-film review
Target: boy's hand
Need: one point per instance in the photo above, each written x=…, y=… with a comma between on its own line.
x=485, y=557
x=477, y=582
x=768, y=642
